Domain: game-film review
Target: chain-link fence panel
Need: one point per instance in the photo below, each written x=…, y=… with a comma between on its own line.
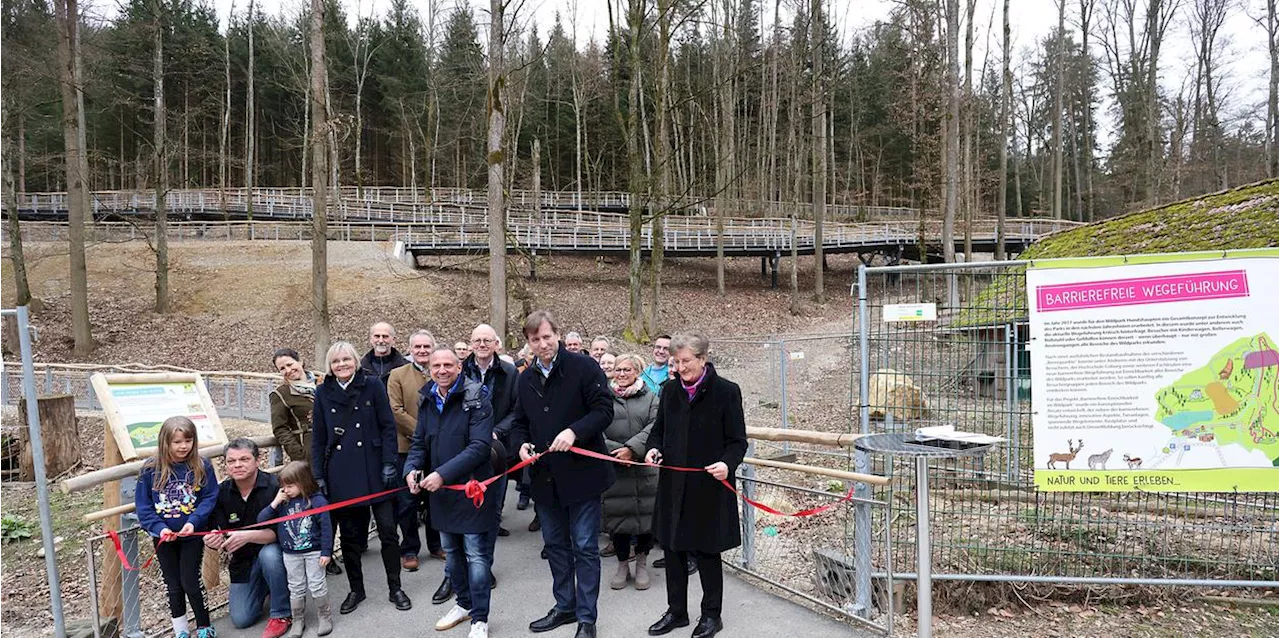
x=970, y=368
x=813, y=557
x=129, y=600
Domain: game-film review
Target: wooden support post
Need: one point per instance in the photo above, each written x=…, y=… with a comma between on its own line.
x=110, y=604
x=60, y=432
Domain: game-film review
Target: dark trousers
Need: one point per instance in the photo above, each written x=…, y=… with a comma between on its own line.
x=180, y=565
x=353, y=527
x=622, y=544
x=409, y=510
x=573, y=553
x=710, y=572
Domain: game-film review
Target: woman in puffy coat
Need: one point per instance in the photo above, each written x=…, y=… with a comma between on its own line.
x=628, y=504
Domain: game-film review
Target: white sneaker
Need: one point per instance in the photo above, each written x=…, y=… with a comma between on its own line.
x=455, y=617
x=479, y=630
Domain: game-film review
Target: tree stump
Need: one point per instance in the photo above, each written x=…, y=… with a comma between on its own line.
x=59, y=432
x=9, y=334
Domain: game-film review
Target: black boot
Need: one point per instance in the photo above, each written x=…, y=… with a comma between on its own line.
x=443, y=593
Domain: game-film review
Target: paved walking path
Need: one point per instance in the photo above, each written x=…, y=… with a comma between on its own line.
x=524, y=594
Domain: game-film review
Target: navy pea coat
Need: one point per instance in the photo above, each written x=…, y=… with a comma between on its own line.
x=358, y=425
x=576, y=396
x=456, y=444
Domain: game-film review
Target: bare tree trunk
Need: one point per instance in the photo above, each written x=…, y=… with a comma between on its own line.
x=1006, y=89
x=819, y=115
x=22, y=152
x=225, y=134
x=967, y=107
x=161, y=167
x=250, y=132
x=497, y=207
x=1086, y=13
x=951, y=163
x=16, y=256
x=319, y=186
x=630, y=124
x=71, y=84
x=1273, y=109
x=662, y=157
x=795, y=265
x=1059, y=62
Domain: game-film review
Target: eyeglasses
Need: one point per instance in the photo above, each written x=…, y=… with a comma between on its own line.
x=624, y=369
x=483, y=342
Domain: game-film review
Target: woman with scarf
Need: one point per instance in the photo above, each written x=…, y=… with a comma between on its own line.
x=628, y=503
x=291, y=404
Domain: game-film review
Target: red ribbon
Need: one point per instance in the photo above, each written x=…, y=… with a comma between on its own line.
x=475, y=491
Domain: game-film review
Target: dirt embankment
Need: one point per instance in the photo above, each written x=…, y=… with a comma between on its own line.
x=235, y=301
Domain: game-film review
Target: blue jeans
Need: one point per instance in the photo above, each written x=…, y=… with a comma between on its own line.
x=468, y=559
x=573, y=551
x=266, y=578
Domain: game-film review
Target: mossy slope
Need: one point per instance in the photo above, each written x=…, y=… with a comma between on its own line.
x=1239, y=218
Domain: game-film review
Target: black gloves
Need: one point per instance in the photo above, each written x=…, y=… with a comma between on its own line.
x=389, y=476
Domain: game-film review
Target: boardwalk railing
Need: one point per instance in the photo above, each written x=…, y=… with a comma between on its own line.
x=381, y=202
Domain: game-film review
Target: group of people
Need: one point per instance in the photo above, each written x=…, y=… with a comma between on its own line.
x=400, y=437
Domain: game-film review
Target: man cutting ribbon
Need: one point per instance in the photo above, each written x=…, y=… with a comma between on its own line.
x=563, y=401
x=453, y=445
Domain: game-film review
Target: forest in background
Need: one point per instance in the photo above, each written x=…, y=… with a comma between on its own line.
x=756, y=93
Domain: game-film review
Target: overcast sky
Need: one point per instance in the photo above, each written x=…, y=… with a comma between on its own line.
x=1242, y=49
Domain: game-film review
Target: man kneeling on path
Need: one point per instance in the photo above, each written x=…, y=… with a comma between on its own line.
x=257, y=564
x=452, y=446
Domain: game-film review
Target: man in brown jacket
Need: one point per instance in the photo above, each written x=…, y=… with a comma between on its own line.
x=403, y=386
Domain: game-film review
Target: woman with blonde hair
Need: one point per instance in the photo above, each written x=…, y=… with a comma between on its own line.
x=628, y=503
x=353, y=454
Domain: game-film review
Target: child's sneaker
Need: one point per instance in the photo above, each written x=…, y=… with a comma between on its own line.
x=183, y=634
x=206, y=632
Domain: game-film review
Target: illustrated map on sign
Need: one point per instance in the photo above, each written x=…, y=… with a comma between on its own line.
x=1226, y=408
x=145, y=406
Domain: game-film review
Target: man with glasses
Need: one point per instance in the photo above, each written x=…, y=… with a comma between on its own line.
x=659, y=371
x=484, y=366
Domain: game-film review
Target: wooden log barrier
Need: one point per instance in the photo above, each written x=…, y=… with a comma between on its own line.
x=820, y=471
x=95, y=478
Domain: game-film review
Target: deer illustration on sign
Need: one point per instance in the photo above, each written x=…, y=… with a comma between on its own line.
x=1133, y=462
x=1066, y=457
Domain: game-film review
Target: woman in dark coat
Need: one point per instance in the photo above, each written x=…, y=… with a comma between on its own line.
x=353, y=454
x=628, y=503
x=291, y=404
x=699, y=424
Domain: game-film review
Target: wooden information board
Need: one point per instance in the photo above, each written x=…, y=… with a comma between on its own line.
x=135, y=405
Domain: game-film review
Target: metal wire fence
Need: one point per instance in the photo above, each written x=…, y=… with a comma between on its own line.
x=970, y=369
x=813, y=558
x=125, y=603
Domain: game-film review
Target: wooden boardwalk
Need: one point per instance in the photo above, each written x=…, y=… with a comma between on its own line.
x=454, y=222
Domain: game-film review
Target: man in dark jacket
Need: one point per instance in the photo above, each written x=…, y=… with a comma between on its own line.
x=382, y=356
x=451, y=446
x=499, y=377
x=562, y=401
